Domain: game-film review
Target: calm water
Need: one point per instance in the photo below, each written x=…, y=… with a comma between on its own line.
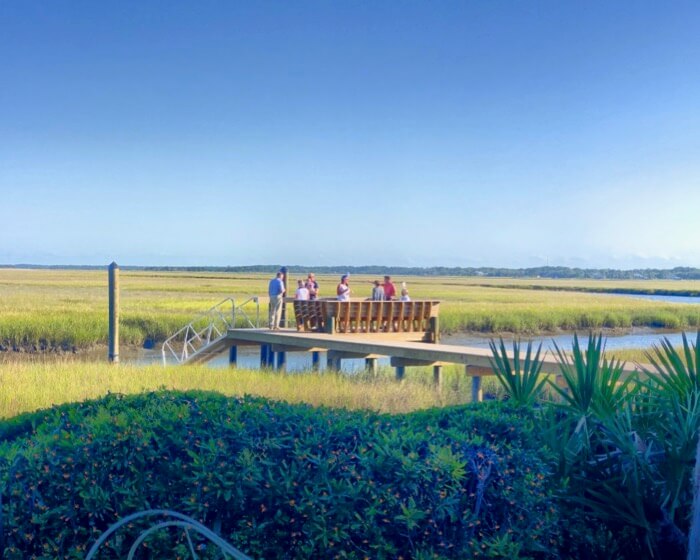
x=640, y=337
x=667, y=299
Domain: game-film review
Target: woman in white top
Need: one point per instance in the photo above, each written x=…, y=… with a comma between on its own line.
x=343, y=290
x=302, y=291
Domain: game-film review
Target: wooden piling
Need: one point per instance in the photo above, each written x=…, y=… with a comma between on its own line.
x=477, y=392
x=233, y=356
x=371, y=365
x=113, y=275
x=437, y=376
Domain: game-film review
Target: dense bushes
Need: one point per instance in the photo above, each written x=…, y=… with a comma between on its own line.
x=278, y=480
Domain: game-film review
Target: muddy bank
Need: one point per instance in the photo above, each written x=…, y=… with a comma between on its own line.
x=94, y=353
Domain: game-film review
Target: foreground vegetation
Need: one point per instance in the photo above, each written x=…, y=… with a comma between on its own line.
x=59, y=309
x=278, y=480
x=626, y=446
x=603, y=471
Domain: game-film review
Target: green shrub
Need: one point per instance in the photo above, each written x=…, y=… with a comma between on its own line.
x=279, y=480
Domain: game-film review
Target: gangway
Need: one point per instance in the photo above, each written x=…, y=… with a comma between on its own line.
x=205, y=336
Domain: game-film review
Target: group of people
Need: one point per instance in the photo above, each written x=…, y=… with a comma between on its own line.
x=309, y=290
x=385, y=291
x=277, y=290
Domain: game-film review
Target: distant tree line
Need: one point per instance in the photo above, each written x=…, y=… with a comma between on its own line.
x=678, y=273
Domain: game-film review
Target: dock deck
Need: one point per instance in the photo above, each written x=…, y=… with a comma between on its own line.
x=402, y=353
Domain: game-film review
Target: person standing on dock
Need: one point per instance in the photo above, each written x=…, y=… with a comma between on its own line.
x=389, y=289
x=377, y=291
x=302, y=292
x=312, y=286
x=343, y=289
x=276, y=293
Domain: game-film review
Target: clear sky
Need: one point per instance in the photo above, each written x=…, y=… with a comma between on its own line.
x=519, y=133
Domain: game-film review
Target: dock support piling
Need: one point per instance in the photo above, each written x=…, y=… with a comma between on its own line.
x=400, y=372
x=315, y=360
x=281, y=361
x=437, y=376
x=335, y=362
x=477, y=392
x=371, y=365
x=233, y=356
x=267, y=356
x=114, y=313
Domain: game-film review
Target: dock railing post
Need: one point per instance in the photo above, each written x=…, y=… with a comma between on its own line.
x=113, y=313
x=434, y=329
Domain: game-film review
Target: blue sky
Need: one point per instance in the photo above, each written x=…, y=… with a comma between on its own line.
x=397, y=133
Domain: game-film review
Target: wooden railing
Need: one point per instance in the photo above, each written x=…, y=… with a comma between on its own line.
x=364, y=317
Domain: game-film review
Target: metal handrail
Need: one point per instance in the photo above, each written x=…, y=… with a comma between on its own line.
x=207, y=328
x=174, y=519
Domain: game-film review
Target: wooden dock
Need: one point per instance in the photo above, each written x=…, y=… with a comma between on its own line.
x=402, y=353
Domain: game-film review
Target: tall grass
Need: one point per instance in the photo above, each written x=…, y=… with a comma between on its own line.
x=59, y=308
x=28, y=386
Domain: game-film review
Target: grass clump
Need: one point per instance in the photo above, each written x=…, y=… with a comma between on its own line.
x=30, y=386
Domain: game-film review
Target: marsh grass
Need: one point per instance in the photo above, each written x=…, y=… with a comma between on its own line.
x=28, y=386
x=67, y=308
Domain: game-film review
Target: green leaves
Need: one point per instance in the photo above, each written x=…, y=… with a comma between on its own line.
x=676, y=372
x=279, y=480
x=520, y=378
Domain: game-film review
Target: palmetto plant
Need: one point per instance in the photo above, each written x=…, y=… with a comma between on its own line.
x=594, y=384
x=520, y=377
x=631, y=452
x=676, y=372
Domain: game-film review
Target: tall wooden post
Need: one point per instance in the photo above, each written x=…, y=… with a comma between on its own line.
x=114, y=313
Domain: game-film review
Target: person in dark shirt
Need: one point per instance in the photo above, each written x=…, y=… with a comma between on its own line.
x=312, y=286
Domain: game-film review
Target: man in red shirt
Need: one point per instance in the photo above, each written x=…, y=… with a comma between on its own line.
x=389, y=289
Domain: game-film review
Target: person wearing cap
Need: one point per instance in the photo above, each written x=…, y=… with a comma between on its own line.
x=343, y=289
x=276, y=293
x=389, y=289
